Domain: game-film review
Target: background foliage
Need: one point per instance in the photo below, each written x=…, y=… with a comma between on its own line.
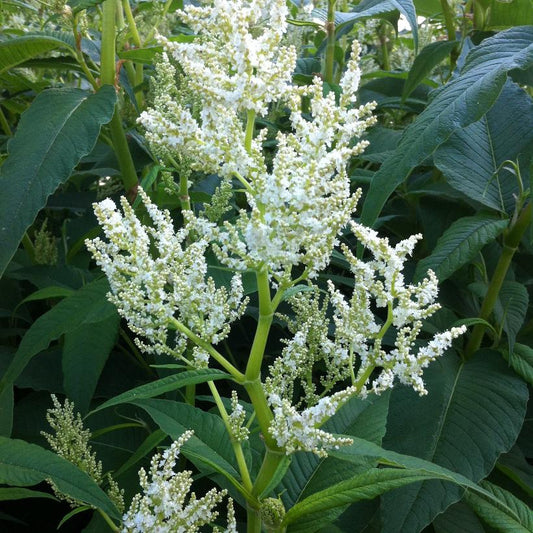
x=451, y=157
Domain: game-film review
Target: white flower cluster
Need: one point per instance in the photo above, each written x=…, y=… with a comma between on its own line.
x=166, y=505
x=157, y=277
x=299, y=207
x=237, y=419
x=354, y=350
x=300, y=202
x=381, y=282
x=300, y=430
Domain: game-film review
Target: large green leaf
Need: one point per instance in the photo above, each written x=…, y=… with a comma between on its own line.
x=86, y=306
x=459, y=244
x=85, y=353
x=459, y=103
x=23, y=464
x=313, y=512
x=60, y=127
x=19, y=49
x=428, y=58
x=473, y=413
x=472, y=157
x=166, y=384
x=369, y=8
x=507, y=514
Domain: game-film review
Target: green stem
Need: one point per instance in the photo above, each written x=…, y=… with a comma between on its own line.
x=108, y=50
x=107, y=76
x=250, y=124
x=510, y=245
x=238, y=376
x=185, y=200
x=253, y=520
x=384, y=41
x=122, y=151
x=262, y=410
x=266, y=314
x=235, y=444
x=136, y=38
x=449, y=22
x=330, y=48
x=108, y=520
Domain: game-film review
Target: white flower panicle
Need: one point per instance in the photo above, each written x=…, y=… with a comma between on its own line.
x=299, y=203
x=300, y=206
x=166, y=504
x=381, y=282
x=156, y=277
x=238, y=60
x=237, y=419
x=354, y=351
x=300, y=430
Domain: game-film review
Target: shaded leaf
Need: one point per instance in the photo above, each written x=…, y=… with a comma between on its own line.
x=17, y=50
x=428, y=58
x=511, y=308
x=460, y=244
x=472, y=158
x=61, y=126
x=473, y=414
x=166, y=384
x=85, y=353
x=86, y=306
x=507, y=513
x=461, y=102
x=23, y=464
x=522, y=361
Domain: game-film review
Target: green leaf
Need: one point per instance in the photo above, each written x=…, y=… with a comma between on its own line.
x=511, y=308
x=23, y=464
x=7, y=402
x=18, y=493
x=507, y=514
x=428, y=58
x=473, y=413
x=460, y=244
x=472, y=158
x=85, y=353
x=459, y=103
x=166, y=384
x=368, y=8
x=61, y=126
x=458, y=518
x=86, y=306
x=19, y=49
x=308, y=515
x=47, y=293
x=522, y=361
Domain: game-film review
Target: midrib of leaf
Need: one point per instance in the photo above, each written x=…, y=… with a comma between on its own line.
x=311, y=477
x=494, y=162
